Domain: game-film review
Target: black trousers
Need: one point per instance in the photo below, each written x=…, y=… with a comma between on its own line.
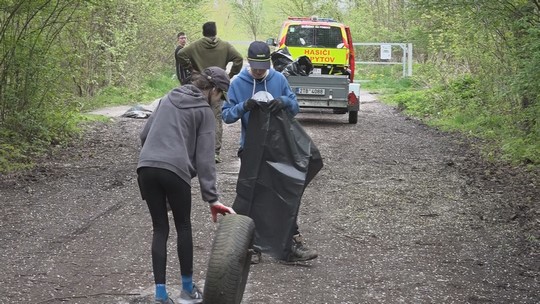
x=157, y=187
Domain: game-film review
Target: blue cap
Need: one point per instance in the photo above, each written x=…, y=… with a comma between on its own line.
x=259, y=55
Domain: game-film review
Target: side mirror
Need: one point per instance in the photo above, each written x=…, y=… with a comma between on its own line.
x=271, y=41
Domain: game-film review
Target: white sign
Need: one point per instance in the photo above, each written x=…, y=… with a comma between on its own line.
x=386, y=51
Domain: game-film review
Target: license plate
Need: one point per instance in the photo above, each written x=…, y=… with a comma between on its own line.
x=310, y=91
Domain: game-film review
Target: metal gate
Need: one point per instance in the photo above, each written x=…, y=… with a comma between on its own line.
x=386, y=49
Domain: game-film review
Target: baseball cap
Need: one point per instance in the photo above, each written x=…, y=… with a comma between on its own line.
x=219, y=78
x=259, y=55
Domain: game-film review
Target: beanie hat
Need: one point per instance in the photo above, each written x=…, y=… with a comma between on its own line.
x=209, y=29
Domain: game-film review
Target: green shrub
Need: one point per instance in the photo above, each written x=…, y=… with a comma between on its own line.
x=154, y=86
x=511, y=133
x=31, y=134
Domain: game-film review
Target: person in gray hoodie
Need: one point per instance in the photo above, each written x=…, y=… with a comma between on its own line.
x=177, y=145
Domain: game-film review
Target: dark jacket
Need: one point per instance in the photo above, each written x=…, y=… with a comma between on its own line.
x=181, y=73
x=180, y=137
x=207, y=52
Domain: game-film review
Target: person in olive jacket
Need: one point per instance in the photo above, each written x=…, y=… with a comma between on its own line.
x=211, y=51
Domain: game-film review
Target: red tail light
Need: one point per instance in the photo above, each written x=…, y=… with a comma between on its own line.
x=352, y=99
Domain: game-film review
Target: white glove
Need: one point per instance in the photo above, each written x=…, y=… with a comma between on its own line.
x=217, y=207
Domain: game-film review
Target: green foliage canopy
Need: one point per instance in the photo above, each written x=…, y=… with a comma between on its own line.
x=54, y=53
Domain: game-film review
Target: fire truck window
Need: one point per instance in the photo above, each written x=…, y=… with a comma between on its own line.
x=329, y=37
x=293, y=36
x=299, y=36
x=326, y=37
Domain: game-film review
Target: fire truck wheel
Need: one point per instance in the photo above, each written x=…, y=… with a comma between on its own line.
x=230, y=259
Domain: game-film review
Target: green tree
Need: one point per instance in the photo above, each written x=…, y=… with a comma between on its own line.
x=52, y=52
x=495, y=45
x=250, y=13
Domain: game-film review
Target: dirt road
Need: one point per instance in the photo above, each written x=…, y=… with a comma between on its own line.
x=400, y=213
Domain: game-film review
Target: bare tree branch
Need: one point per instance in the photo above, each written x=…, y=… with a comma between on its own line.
x=250, y=13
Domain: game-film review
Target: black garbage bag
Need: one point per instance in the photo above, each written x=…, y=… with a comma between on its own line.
x=281, y=58
x=284, y=63
x=302, y=66
x=278, y=161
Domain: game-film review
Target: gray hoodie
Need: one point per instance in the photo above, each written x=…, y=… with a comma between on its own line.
x=180, y=136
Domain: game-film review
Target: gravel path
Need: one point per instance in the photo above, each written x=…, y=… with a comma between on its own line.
x=400, y=213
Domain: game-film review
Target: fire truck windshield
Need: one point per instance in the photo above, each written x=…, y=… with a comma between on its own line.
x=314, y=36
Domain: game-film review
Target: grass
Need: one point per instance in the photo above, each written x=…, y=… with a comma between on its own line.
x=152, y=88
x=382, y=79
x=511, y=136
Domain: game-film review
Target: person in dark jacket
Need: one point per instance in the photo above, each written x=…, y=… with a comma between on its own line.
x=259, y=76
x=181, y=73
x=177, y=145
x=211, y=51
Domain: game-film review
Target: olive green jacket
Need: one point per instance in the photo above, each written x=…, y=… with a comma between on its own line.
x=207, y=52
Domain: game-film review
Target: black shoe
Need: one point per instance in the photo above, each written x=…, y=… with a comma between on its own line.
x=217, y=158
x=256, y=255
x=300, y=252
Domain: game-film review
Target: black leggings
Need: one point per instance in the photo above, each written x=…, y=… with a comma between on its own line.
x=157, y=186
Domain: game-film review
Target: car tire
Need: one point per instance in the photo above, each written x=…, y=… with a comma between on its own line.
x=230, y=259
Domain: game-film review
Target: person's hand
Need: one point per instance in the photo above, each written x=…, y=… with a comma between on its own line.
x=217, y=207
x=250, y=104
x=275, y=105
